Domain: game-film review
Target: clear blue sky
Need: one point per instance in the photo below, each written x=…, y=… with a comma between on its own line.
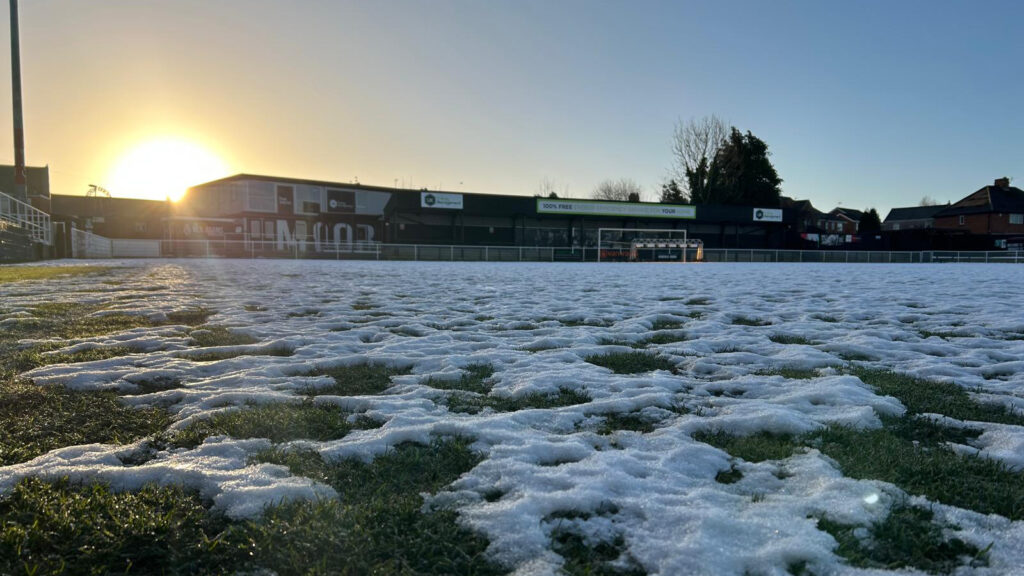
x=867, y=103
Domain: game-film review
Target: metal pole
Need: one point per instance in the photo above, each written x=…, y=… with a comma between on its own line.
x=20, y=182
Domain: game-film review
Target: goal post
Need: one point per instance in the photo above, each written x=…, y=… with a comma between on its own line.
x=630, y=244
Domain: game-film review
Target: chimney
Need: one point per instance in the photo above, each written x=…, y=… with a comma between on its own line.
x=1003, y=182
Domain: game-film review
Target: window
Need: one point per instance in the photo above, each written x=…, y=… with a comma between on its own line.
x=262, y=201
x=307, y=200
x=896, y=226
x=961, y=221
x=1016, y=218
x=139, y=227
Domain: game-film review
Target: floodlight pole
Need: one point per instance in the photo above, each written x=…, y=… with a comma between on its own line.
x=20, y=182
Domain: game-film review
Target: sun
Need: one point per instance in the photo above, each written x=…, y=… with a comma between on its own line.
x=163, y=169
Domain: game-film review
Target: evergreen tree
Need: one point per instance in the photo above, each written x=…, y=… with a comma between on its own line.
x=671, y=193
x=741, y=173
x=870, y=222
x=701, y=180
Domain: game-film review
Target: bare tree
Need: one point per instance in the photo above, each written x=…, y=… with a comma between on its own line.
x=550, y=188
x=928, y=201
x=623, y=189
x=695, y=141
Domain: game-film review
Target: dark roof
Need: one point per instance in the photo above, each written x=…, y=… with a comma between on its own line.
x=800, y=206
x=326, y=184
x=850, y=213
x=88, y=207
x=914, y=213
x=987, y=200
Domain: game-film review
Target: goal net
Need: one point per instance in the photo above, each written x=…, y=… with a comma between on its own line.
x=647, y=245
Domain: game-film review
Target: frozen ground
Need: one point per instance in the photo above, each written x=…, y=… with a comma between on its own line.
x=535, y=323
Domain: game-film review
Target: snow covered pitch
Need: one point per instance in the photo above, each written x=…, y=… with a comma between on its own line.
x=740, y=349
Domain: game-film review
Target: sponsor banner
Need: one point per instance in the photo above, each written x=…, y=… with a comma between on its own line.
x=440, y=200
x=767, y=215
x=600, y=208
x=285, y=200
x=341, y=201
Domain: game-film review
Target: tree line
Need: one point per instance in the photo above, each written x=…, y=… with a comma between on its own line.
x=713, y=163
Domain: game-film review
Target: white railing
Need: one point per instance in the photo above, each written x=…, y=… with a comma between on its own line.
x=85, y=244
x=100, y=247
x=34, y=221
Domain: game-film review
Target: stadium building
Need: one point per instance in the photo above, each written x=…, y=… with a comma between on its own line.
x=249, y=214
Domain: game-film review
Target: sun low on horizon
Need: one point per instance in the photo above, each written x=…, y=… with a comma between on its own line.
x=163, y=168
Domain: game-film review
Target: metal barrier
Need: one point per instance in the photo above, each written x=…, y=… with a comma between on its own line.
x=34, y=221
x=87, y=245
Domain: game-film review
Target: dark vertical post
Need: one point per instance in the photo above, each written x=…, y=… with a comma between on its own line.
x=20, y=182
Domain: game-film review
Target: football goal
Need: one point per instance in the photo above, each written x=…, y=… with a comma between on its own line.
x=647, y=245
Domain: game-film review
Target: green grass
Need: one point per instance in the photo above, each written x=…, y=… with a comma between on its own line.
x=856, y=357
x=474, y=380
x=730, y=476
x=358, y=380
x=190, y=317
x=633, y=421
x=631, y=362
x=907, y=537
x=279, y=422
x=36, y=419
x=752, y=448
x=378, y=526
x=592, y=559
x=214, y=356
x=931, y=470
x=744, y=321
x=471, y=403
x=22, y=273
x=65, y=528
x=789, y=339
x=907, y=452
x=944, y=335
x=791, y=373
x=668, y=337
x=220, y=336
x=926, y=396
x=666, y=325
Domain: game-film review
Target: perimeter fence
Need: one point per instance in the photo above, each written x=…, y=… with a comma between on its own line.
x=92, y=246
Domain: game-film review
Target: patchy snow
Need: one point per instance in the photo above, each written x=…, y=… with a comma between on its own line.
x=535, y=323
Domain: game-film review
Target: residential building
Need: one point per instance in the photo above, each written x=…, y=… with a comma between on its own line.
x=996, y=211
x=911, y=218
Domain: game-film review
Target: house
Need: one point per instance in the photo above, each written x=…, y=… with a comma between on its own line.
x=843, y=221
x=996, y=211
x=912, y=218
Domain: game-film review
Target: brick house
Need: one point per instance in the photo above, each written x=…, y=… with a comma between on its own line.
x=912, y=218
x=996, y=211
x=842, y=221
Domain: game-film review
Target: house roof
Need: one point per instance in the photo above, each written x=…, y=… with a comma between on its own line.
x=987, y=200
x=799, y=206
x=914, y=213
x=855, y=215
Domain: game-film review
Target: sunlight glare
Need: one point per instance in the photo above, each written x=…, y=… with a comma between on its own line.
x=162, y=169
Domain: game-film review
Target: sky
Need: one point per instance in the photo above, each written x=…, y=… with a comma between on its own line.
x=862, y=104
